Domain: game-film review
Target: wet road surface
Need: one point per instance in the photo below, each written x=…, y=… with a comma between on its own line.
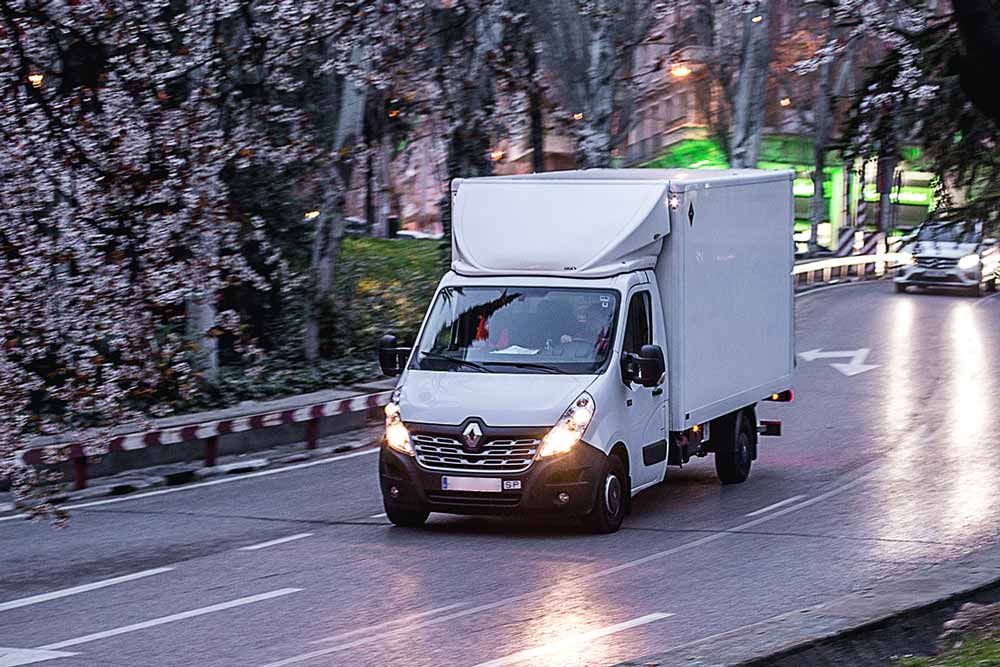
x=879, y=473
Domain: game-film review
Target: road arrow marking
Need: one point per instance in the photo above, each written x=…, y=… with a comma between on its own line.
x=13, y=657
x=856, y=360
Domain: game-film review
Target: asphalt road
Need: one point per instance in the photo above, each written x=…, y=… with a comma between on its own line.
x=878, y=474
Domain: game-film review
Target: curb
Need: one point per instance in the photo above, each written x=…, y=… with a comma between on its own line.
x=863, y=628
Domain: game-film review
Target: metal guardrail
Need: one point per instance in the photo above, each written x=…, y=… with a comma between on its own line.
x=838, y=269
x=77, y=448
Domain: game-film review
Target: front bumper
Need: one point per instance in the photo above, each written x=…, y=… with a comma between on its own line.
x=576, y=473
x=951, y=277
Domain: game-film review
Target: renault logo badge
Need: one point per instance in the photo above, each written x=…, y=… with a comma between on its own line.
x=472, y=435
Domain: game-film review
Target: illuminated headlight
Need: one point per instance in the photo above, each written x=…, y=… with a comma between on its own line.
x=396, y=434
x=570, y=429
x=907, y=259
x=968, y=262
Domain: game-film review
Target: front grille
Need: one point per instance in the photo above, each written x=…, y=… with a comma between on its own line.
x=455, y=498
x=939, y=263
x=503, y=455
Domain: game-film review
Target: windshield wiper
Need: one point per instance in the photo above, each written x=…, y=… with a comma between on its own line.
x=527, y=364
x=457, y=361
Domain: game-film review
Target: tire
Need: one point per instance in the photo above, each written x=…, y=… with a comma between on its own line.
x=406, y=518
x=609, y=508
x=901, y=288
x=976, y=291
x=734, y=451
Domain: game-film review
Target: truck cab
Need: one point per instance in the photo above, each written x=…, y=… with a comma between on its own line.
x=551, y=373
x=955, y=255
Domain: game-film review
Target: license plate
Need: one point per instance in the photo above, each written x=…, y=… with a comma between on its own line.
x=934, y=273
x=481, y=484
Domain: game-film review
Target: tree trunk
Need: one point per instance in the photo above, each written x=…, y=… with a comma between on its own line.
x=594, y=142
x=325, y=251
x=200, y=320
x=535, y=112
x=822, y=121
x=751, y=89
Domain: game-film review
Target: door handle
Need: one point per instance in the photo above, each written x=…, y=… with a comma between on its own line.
x=657, y=391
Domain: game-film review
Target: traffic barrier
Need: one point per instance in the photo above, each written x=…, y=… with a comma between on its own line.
x=208, y=432
x=837, y=269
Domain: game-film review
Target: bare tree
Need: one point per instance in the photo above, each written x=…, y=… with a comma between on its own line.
x=590, y=50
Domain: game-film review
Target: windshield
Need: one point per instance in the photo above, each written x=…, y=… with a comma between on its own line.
x=949, y=233
x=518, y=330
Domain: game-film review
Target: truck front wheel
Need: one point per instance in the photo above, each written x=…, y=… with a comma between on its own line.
x=406, y=518
x=734, y=448
x=609, y=508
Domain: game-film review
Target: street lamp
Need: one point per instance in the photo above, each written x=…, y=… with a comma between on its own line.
x=785, y=101
x=680, y=70
x=757, y=19
x=311, y=215
x=578, y=116
x=36, y=79
x=496, y=155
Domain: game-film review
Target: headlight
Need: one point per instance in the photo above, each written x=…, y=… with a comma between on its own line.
x=396, y=434
x=570, y=429
x=969, y=262
x=907, y=259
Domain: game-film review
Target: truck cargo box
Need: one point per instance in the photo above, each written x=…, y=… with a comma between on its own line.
x=719, y=241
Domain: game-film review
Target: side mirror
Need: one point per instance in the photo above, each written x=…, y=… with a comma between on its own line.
x=645, y=368
x=391, y=358
x=989, y=243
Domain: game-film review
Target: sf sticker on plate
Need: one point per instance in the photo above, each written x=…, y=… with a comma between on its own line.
x=511, y=484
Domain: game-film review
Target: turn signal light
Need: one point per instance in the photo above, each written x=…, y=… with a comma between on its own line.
x=781, y=397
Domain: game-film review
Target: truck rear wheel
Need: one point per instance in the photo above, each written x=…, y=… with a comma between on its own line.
x=406, y=518
x=734, y=449
x=609, y=507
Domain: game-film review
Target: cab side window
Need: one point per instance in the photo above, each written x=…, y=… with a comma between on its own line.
x=638, y=326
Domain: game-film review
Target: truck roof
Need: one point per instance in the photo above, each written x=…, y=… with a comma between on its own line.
x=588, y=223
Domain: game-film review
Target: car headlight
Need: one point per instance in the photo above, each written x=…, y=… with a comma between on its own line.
x=396, y=434
x=969, y=262
x=907, y=259
x=570, y=429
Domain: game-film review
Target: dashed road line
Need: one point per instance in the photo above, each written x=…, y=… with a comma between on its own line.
x=273, y=543
x=388, y=624
x=786, y=501
x=104, y=583
x=168, y=619
x=573, y=641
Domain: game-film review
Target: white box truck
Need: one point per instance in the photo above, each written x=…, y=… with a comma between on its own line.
x=596, y=326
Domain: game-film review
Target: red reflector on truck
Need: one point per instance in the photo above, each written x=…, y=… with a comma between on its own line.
x=782, y=397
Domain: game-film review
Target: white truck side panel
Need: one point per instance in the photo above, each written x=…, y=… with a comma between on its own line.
x=725, y=278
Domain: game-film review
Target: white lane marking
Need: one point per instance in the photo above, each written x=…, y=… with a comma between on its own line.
x=378, y=516
x=104, y=583
x=573, y=641
x=388, y=624
x=13, y=657
x=214, y=482
x=168, y=619
x=272, y=543
x=786, y=501
x=534, y=595
x=985, y=299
